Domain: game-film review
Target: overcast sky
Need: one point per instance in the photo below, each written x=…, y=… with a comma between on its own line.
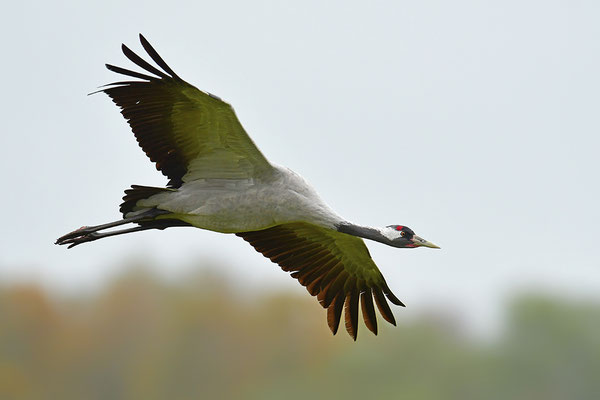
x=475, y=123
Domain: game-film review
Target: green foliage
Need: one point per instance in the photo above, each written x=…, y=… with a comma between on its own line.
x=142, y=338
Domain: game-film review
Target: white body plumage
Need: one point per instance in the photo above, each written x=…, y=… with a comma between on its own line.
x=239, y=205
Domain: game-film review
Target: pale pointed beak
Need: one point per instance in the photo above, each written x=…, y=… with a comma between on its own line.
x=424, y=243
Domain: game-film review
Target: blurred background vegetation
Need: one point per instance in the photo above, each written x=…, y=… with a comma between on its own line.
x=144, y=337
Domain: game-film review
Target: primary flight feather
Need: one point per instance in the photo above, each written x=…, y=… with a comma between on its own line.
x=220, y=181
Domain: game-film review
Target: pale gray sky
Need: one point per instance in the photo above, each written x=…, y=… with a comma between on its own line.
x=475, y=123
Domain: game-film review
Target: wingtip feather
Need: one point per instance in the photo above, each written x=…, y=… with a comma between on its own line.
x=392, y=297
x=383, y=306
x=157, y=58
x=334, y=313
x=351, y=314
x=368, y=311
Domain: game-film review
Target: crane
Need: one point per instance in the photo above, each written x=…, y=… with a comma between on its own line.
x=220, y=181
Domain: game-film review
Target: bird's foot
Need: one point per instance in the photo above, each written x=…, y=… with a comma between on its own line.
x=78, y=236
x=87, y=237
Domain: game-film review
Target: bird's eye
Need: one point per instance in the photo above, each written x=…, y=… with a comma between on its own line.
x=402, y=233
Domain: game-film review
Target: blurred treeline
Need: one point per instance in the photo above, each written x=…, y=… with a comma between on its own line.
x=200, y=338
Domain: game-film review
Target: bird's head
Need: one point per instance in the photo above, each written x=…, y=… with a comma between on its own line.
x=403, y=236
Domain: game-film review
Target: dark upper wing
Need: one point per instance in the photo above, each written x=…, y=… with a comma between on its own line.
x=334, y=266
x=188, y=133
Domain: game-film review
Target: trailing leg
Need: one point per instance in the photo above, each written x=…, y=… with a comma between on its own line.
x=90, y=233
x=90, y=237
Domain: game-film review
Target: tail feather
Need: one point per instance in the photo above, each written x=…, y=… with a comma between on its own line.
x=137, y=193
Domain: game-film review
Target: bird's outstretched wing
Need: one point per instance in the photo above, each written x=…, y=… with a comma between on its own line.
x=188, y=133
x=335, y=267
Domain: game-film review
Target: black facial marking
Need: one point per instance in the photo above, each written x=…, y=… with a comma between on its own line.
x=407, y=232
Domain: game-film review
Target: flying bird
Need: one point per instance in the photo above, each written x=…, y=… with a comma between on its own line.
x=220, y=181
